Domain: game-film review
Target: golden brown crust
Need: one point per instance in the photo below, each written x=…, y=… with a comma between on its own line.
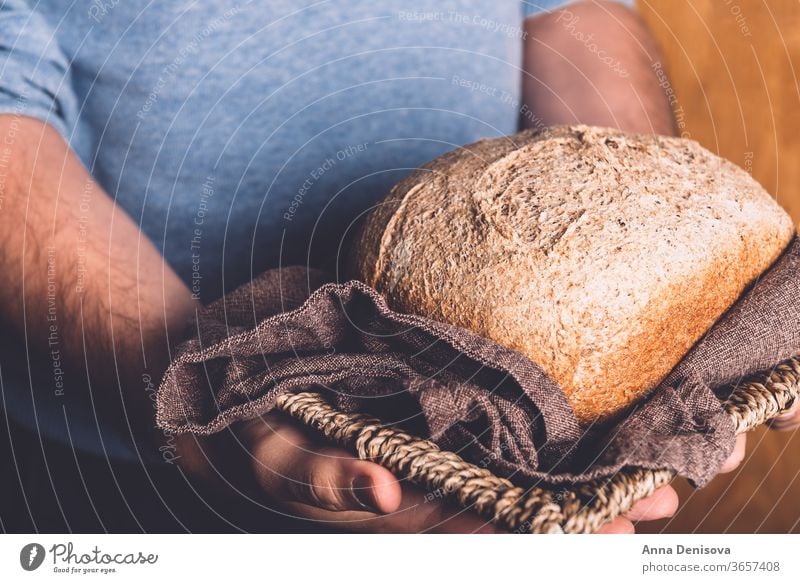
x=601, y=256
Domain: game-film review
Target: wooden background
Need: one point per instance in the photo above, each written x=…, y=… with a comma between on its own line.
x=734, y=66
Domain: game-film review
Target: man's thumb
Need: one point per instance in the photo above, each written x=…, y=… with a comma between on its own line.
x=334, y=483
x=292, y=468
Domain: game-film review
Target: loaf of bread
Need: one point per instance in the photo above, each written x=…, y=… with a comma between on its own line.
x=602, y=256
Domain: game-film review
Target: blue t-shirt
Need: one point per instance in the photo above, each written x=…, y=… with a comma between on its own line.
x=240, y=136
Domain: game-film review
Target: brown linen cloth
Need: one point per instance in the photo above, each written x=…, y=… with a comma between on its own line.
x=289, y=330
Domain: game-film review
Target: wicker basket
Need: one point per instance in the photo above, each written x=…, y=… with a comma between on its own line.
x=536, y=510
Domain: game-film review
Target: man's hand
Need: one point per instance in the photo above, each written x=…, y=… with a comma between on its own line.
x=313, y=480
x=664, y=501
x=788, y=421
x=295, y=470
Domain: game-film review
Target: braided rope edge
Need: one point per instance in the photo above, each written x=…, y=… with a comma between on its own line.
x=751, y=403
x=423, y=463
x=536, y=510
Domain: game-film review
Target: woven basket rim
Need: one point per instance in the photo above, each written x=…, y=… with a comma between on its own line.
x=539, y=509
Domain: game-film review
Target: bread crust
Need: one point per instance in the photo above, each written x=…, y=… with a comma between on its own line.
x=600, y=255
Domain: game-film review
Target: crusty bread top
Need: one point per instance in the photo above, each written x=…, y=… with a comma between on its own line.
x=603, y=256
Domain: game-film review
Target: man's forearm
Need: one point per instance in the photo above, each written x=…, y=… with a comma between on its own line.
x=80, y=276
x=593, y=63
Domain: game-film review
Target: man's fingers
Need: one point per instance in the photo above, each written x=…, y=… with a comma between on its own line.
x=292, y=467
x=619, y=525
x=333, y=480
x=662, y=503
x=327, y=484
x=736, y=456
x=418, y=512
x=323, y=483
x=789, y=420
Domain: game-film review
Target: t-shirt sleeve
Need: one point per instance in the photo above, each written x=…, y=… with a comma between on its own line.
x=34, y=72
x=534, y=7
